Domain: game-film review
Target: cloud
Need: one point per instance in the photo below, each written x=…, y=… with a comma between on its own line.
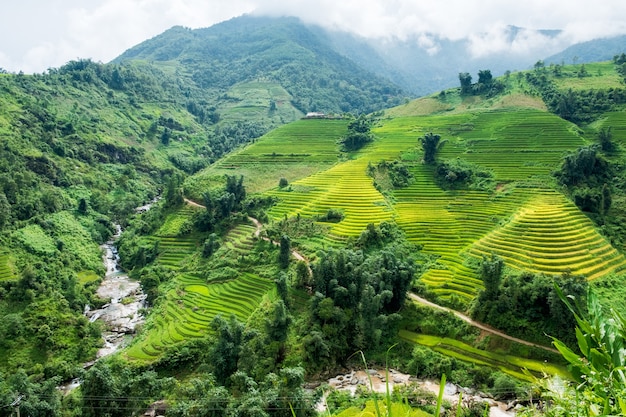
x=35, y=35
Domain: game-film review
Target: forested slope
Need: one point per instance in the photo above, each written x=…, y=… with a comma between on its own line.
x=281, y=53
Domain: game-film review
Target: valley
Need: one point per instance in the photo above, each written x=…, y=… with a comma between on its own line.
x=476, y=234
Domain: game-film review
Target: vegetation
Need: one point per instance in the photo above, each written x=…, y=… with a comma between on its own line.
x=358, y=135
x=526, y=305
x=272, y=263
x=598, y=385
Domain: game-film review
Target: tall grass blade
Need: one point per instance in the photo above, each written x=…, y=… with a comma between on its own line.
x=387, y=380
x=369, y=377
x=442, y=386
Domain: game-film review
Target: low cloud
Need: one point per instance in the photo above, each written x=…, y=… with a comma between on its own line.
x=61, y=30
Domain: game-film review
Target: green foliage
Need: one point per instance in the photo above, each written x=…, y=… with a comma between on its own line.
x=358, y=135
x=599, y=386
x=430, y=145
x=285, y=252
x=526, y=305
x=587, y=174
x=356, y=300
x=605, y=138
x=486, y=85
x=396, y=173
x=458, y=173
x=331, y=216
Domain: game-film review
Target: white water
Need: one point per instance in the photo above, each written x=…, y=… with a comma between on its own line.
x=121, y=314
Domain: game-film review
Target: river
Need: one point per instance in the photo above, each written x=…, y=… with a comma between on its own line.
x=122, y=314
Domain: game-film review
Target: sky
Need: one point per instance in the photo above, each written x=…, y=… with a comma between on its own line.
x=36, y=35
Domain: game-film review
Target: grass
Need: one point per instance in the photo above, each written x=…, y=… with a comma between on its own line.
x=396, y=409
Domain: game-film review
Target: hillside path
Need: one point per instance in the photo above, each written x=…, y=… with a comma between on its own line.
x=257, y=233
x=414, y=297
x=477, y=324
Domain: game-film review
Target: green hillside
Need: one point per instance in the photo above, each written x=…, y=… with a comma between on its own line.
x=271, y=258
x=273, y=70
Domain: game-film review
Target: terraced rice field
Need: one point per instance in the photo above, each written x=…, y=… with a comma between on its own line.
x=344, y=187
x=241, y=238
x=192, y=303
x=189, y=309
x=549, y=234
x=6, y=271
x=521, y=148
x=292, y=151
x=307, y=140
x=173, y=248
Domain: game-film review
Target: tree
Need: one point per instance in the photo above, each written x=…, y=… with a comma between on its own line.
x=466, y=83
x=605, y=137
x=485, y=77
x=285, y=252
x=358, y=134
x=277, y=324
x=430, y=144
x=83, y=206
x=101, y=392
x=225, y=353
x=282, y=288
x=173, y=193
x=211, y=244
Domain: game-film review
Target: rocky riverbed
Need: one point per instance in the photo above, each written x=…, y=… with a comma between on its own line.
x=122, y=314
x=351, y=381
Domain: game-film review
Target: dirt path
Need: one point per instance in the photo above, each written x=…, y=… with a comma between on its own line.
x=193, y=203
x=479, y=325
x=257, y=233
x=416, y=298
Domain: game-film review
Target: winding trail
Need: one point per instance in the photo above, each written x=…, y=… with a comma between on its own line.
x=477, y=324
x=257, y=234
x=414, y=297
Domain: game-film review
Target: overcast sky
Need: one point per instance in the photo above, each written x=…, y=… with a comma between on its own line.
x=39, y=34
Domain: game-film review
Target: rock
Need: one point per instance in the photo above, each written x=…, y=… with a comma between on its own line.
x=354, y=380
x=397, y=380
x=372, y=371
x=450, y=389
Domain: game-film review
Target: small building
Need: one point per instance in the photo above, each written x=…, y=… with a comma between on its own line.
x=314, y=115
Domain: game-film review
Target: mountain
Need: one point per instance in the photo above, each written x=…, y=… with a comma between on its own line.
x=603, y=49
x=298, y=70
x=346, y=72
x=429, y=63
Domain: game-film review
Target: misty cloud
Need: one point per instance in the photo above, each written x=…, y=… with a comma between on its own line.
x=36, y=35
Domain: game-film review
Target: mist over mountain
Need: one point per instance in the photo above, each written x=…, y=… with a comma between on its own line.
x=603, y=49
x=252, y=47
